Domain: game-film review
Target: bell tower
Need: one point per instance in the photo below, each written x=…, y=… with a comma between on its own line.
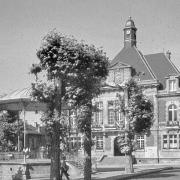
x=130, y=33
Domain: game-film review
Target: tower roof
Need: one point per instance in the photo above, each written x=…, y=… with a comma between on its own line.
x=151, y=67
x=130, y=23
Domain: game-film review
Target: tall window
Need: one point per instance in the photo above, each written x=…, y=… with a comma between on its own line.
x=172, y=85
x=172, y=112
x=117, y=113
x=140, y=141
x=99, y=142
x=99, y=114
x=111, y=113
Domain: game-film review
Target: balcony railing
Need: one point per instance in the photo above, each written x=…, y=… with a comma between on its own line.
x=97, y=126
x=110, y=126
x=172, y=124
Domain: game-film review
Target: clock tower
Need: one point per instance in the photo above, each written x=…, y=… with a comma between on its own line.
x=130, y=33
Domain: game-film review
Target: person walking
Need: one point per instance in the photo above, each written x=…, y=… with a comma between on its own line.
x=64, y=168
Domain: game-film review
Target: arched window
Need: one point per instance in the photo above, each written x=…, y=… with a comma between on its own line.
x=172, y=112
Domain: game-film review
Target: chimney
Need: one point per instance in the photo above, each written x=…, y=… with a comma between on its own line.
x=168, y=54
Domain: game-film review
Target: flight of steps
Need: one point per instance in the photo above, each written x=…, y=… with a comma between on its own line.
x=77, y=163
x=110, y=163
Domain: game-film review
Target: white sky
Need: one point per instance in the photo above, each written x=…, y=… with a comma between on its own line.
x=23, y=23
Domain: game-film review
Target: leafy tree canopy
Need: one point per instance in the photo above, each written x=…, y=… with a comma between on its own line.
x=80, y=66
x=138, y=110
x=10, y=127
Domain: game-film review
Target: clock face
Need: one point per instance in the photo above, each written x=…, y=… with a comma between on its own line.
x=128, y=32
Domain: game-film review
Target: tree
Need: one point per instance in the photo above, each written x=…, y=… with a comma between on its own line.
x=10, y=127
x=138, y=113
x=72, y=73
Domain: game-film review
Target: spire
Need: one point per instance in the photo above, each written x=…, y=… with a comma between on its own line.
x=130, y=33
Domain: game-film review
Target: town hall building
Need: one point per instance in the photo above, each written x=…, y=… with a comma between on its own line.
x=160, y=77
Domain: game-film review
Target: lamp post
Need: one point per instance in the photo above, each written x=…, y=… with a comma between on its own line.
x=18, y=133
x=24, y=120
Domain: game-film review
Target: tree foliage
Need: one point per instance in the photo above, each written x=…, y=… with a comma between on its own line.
x=72, y=74
x=75, y=62
x=138, y=111
x=10, y=127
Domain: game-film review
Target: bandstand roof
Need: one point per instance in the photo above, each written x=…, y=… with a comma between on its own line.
x=20, y=99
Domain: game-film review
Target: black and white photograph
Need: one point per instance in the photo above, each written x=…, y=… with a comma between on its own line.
x=89, y=89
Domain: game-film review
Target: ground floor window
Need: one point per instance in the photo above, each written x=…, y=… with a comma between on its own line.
x=140, y=142
x=99, y=142
x=173, y=141
x=170, y=141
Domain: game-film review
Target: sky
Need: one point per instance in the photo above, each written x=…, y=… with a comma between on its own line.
x=23, y=24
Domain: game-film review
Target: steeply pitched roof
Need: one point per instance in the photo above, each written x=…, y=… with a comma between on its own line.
x=152, y=66
x=24, y=93
x=135, y=59
x=161, y=66
x=17, y=99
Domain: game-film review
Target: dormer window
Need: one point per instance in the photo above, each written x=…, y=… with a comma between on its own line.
x=172, y=85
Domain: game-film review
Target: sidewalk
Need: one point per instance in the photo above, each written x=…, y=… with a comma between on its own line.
x=139, y=170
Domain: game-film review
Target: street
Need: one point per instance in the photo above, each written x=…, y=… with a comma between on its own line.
x=173, y=174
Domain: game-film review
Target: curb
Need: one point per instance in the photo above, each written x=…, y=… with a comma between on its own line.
x=124, y=176
x=136, y=174
x=140, y=173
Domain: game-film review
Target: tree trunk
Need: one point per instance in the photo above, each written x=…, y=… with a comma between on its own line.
x=55, y=153
x=87, y=161
x=87, y=145
x=129, y=164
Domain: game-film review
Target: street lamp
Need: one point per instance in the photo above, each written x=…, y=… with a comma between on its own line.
x=24, y=120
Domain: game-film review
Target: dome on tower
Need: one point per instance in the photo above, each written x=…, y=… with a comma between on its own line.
x=130, y=23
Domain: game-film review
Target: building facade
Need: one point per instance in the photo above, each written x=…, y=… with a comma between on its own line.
x=160, y=77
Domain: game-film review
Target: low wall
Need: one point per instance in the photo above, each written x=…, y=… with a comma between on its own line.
x=39, y=169
x=10, y=155
x=10, y=169
x=23, y=171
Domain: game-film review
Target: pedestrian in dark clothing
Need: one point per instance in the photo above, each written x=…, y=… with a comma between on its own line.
x=64, y=169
